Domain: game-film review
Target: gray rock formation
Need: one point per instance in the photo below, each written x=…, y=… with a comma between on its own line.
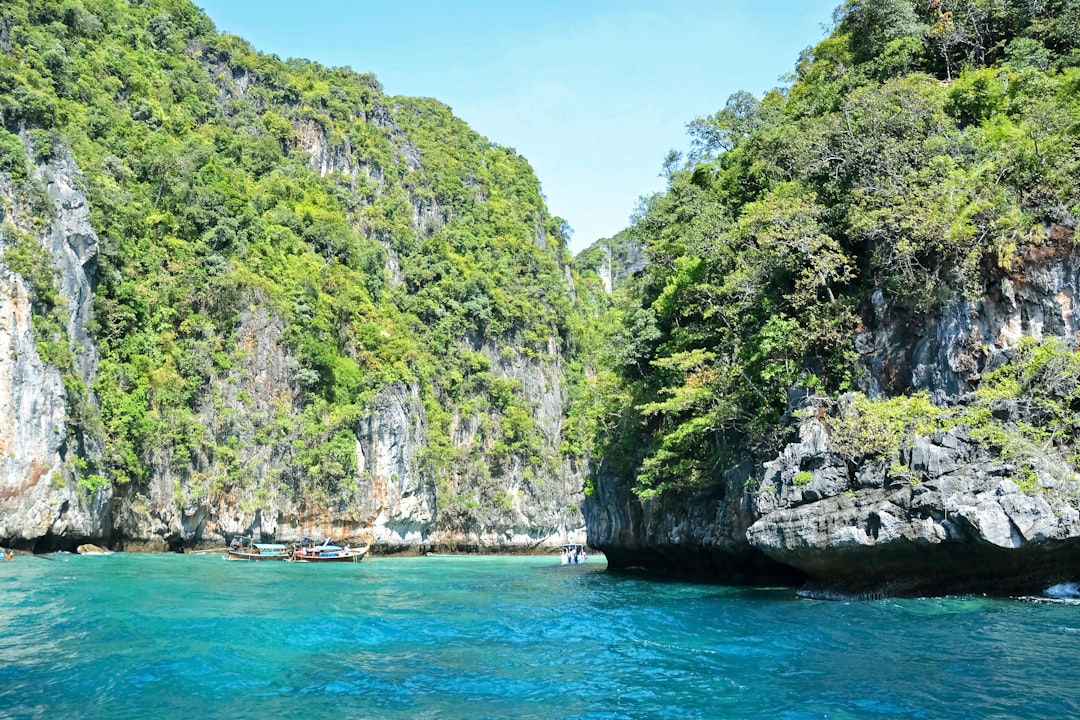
x=73, y=244
x=536, y=504
x=615, y=259
x=945, y=516
x=33, y=411
x=399, y=497
x=395, y=501
x=698, y=534
x=945, y=354
x=39, y=494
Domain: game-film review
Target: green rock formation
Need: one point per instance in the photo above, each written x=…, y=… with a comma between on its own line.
x=315, y=307
x=896, y=220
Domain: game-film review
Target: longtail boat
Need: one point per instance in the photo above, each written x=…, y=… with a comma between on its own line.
x=328, y=552
x=244, y=549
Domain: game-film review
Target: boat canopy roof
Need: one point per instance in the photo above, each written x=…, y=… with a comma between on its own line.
x=269, y=546
x=323, y=548
x=573, y=546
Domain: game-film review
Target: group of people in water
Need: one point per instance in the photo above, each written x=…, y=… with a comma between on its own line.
x=573, y=555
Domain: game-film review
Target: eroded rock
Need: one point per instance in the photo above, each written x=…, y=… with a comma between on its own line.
x=955, y=524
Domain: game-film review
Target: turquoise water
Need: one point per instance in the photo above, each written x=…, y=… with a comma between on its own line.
x=147, y=636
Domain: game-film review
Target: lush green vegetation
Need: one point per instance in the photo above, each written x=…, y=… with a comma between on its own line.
x=382, y=232
x=23, y=254
x=916, y=152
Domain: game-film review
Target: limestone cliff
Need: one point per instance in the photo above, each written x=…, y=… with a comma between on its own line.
x=615, y=260
x=393, y=500
x=957, y=523
x=944, y=354
x=41, y=498
x=314, y=309
x=943, y=515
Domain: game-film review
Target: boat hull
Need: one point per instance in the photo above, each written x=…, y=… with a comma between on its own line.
x=354, y=557
x=254, y=557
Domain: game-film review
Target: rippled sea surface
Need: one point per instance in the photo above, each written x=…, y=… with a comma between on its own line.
x=171, y=636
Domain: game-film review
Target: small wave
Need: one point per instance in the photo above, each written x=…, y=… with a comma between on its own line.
x=836, y=596
x=1063, y=591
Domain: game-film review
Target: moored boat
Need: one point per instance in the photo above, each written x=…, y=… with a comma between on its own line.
x=245, y=549
x=328, y=552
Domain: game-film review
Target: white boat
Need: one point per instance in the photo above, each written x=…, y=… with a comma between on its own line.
x=328, y=552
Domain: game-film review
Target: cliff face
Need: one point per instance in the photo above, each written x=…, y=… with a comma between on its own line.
x=393, y=500
x=622, y=258
x=40, y=497
x=318, y=310
x=944, y=355
x=521, y=505
x=963, y=526
x=615, y=260
x=696, y=534
x=946, y=515
x=943, y=516
x=33, y=407
x=397, y=499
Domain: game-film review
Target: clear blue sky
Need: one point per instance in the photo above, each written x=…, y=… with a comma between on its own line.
x=594, y=93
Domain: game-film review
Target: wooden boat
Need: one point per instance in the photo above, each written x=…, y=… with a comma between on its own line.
x=328, y=552
x=244, y=549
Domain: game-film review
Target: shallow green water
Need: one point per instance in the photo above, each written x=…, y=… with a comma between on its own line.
x=144, y=636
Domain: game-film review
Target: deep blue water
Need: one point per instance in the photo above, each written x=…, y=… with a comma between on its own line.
x=169, y=636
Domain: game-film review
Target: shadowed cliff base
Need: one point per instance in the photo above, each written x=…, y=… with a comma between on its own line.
x=918, y=571
x=867, y=573
x=751, y=567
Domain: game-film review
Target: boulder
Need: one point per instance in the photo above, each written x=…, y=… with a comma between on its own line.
x=91, y=549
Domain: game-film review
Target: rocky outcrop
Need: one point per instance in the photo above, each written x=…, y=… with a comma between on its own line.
x=615, y=260
x=946, y=516
x=623, y=258
x=944, y=354
x=695, y=534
